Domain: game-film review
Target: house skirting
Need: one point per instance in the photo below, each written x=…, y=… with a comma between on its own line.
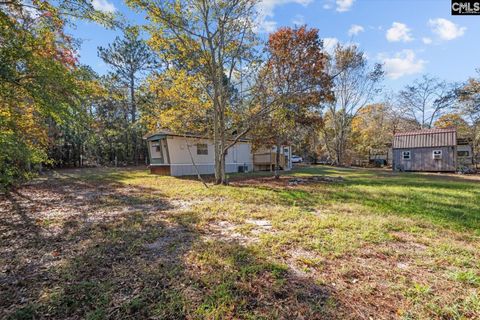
x=163, y=170
x=178, y=170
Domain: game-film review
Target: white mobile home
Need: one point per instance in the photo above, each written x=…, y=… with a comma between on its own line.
x=177, y=155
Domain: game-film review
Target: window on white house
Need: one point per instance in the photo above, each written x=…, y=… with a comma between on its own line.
x=406, y=155
x=285, y=150
x=156, y=151
x=437, y=154
x=156, y=146
x=202, y=148
x=463, y=153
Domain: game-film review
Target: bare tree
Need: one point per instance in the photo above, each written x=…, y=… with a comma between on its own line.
x=355, y=84
x=397, y=119
x=426, y=100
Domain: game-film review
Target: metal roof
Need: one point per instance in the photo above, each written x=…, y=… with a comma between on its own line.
x=167, y=132
x=425, y=138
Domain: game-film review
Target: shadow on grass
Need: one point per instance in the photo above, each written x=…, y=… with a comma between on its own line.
x=443, y=201
x=101, y=250
x=449, y=201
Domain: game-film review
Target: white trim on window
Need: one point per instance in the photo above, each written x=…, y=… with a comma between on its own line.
x=437, y=154
x=406, y=155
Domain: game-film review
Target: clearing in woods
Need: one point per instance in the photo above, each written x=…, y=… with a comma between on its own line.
x=321, y=243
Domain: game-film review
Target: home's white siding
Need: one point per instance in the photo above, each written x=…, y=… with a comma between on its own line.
x=178, y=151
x=181, y=161
x=241, y=153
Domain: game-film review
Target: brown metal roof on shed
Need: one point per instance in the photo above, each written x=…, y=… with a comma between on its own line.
x=425, y=138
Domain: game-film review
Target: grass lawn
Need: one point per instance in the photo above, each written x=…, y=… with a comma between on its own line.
x=124, y=244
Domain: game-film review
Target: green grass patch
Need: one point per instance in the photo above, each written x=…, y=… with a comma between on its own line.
x=163, y=247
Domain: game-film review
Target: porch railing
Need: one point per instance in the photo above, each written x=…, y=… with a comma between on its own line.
x=268, y=159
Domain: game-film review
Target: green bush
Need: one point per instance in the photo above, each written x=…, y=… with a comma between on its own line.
x=17, y=160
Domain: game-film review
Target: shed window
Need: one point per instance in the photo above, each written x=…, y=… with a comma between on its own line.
x=463, y=153
x=202, y=148
x=406, y=155
x=437, y=154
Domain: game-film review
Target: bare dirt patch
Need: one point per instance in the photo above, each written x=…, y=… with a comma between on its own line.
x=172, y=241
x=284, y=181
x=314, y=179
x=225, y=230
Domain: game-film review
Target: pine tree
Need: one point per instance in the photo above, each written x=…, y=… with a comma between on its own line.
x=130, y=58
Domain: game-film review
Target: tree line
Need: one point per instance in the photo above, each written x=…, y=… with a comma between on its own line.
x=197, y=66
x=426, y=103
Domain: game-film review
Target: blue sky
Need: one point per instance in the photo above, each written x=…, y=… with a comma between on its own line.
x=409, y=37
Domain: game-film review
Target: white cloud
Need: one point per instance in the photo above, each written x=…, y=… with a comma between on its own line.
x=355, y=29
x=427, y=40
x=267, y=26
x=266, y=9
x=298, y=20
x=403, y=63
x=103, y=5
x=399, y=32
x=344, y=5
x=32, y=12
x=446, y=29
x=329, y=44
x=327, y=6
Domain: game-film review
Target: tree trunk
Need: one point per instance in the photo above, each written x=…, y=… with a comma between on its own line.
x=277, y=160
x=219, y=130
x=338, y=152
x=216, y=140
x=222, y=169
x=133, y=111
x=223, y=141
x=126, y=151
